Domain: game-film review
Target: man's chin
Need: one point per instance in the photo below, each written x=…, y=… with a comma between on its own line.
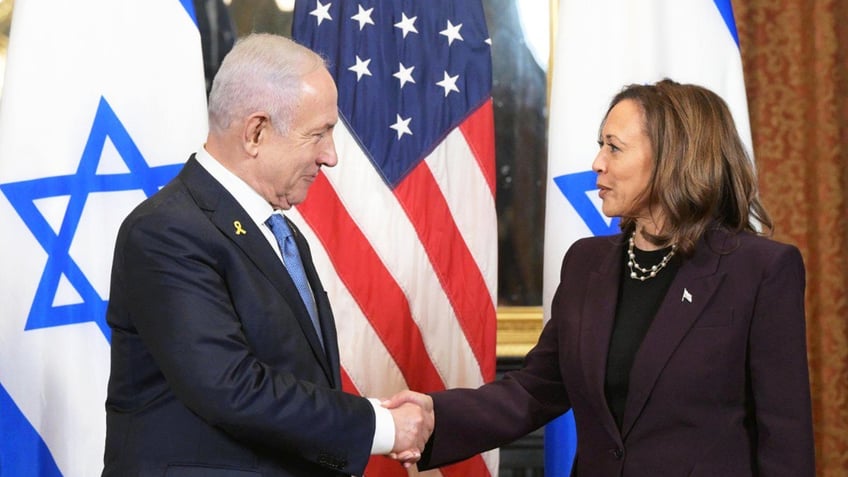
x=296, y=199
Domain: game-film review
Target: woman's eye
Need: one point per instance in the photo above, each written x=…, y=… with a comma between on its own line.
x=613, y=148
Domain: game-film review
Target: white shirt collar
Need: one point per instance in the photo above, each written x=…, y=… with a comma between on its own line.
x=254, y=204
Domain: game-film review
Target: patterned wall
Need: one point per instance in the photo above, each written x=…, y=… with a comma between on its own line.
x=796, y=73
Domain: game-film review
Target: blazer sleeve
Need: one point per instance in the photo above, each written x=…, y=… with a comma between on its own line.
x=470, y=421
x=778, y=370
x=175, y=285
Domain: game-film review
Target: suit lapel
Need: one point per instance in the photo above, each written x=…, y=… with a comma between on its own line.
x=688, y=295
x=598, y=316
x=325, y=312
x=229, y=217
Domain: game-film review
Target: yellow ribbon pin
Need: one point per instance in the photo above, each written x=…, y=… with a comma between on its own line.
x=239, y=229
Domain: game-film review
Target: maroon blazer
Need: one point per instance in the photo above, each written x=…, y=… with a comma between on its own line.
x=719, y=386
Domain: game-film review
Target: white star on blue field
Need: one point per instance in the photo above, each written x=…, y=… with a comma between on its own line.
x=22, y=195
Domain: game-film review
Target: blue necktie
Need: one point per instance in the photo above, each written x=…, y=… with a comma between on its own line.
x=291, y=257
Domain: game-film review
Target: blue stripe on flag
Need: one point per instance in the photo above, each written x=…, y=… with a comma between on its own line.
x=22, y=451
x=560, y=445
x=189, y=8
x=726, y=10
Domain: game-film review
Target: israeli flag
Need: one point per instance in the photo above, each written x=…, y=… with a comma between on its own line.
x=602, y=46
x=102, y=103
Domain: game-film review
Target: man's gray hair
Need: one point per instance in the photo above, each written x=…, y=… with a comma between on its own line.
x=263, y=72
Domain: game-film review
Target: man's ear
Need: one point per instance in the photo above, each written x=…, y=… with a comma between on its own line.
x=255, y=131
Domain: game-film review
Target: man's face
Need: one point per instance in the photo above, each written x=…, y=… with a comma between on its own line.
x=288, y=164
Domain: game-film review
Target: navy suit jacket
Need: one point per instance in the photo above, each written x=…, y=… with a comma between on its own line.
x=217, y=370
x=719, y=386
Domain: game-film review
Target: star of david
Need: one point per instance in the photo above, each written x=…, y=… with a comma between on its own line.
x=22, y=196
x=575, y=188
x=189, y=8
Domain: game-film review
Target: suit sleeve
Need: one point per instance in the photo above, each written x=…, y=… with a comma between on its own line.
x=182, y=312
x=470, y=421
x=779, y=373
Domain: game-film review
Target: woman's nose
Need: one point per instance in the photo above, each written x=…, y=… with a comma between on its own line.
x=599, y=164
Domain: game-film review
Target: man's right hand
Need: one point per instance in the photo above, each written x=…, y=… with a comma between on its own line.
x=414, y=422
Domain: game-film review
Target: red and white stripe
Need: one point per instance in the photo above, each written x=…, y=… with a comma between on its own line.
x=412, y=272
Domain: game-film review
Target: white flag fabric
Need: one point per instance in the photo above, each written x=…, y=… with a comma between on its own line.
x=102, y=103
x=602, y=46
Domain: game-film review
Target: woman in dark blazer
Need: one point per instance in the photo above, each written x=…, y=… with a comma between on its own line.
x=679, y=343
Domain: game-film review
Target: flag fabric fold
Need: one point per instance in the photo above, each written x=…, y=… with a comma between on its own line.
x=601, y=47
x=99, y=110
x=404, y=229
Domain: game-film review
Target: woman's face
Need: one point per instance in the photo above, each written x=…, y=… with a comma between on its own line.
x=625, y=162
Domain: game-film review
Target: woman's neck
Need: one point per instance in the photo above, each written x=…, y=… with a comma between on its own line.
x=646, y=226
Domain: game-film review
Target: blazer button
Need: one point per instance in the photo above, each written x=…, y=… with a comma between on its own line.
x=617, y=453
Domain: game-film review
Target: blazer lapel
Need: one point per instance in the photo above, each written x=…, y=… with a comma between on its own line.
x=598, y=316
x=229, y=217
x=689, y=293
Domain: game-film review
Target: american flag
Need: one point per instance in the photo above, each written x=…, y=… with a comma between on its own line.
x=404, y=229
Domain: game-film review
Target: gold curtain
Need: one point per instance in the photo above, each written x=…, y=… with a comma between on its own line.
x=796, y=75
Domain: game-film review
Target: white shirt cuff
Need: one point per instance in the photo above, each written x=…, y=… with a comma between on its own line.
x=384, y=430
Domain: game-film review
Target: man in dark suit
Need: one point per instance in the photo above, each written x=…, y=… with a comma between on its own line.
x=225, y=359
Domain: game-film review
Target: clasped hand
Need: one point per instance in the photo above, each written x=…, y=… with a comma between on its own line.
x=414, y=421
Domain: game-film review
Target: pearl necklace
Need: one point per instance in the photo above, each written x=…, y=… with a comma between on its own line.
x=638, y=272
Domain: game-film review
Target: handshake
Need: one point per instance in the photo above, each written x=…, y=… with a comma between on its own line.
x=414, y=422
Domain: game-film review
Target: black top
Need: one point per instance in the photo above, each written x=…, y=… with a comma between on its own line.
x=638, y=302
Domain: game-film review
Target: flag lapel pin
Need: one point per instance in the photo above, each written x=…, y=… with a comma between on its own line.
x=687, y=297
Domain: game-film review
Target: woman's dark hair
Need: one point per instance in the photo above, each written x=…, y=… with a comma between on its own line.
x=702, y=174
